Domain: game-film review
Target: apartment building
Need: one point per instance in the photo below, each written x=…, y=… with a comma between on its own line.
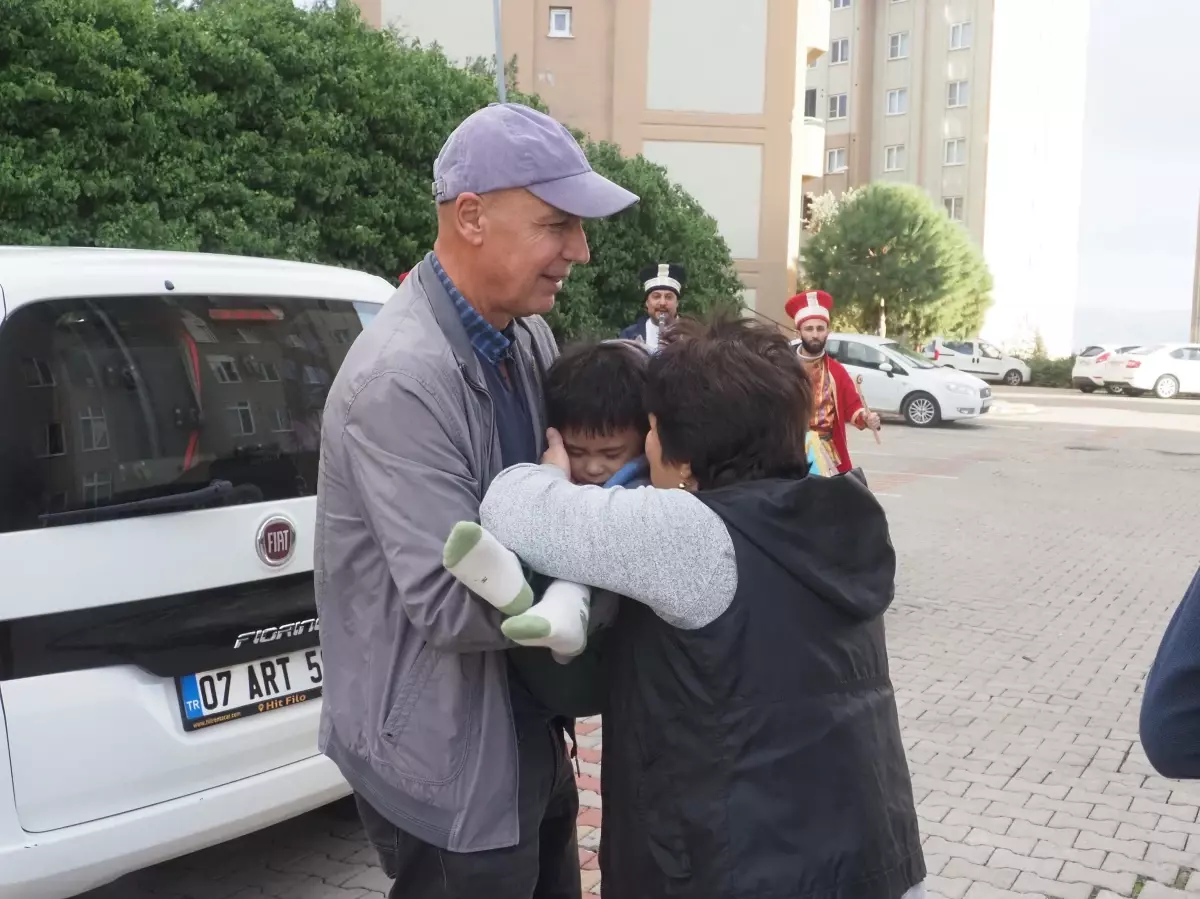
x=713, y=90
x=904, y=96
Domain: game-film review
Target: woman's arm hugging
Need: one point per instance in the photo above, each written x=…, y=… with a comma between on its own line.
x=663, y=548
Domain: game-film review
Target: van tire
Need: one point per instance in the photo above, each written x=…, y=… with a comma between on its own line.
x=921, y=410
x=1013, y=378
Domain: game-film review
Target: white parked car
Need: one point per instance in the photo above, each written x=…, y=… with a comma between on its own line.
x=898, y=381
x=1168, y=369
x=160, y=672
x=1087, y=374
x=979, y=358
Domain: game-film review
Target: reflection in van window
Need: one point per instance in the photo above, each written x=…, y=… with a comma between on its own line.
x=109, y=401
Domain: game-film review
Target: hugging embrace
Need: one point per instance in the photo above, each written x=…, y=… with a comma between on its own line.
x=721, y=607
x=751, y=741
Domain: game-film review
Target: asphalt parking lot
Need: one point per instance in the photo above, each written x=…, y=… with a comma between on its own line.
x=1042, y=550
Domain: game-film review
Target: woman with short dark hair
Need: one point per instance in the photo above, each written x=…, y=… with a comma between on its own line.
x=751, y=738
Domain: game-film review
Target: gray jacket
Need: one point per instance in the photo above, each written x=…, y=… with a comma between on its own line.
x=416, y=704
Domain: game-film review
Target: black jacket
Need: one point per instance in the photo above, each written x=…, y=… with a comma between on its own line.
x=1170, y=721
x=760, y=756
x=636, y=331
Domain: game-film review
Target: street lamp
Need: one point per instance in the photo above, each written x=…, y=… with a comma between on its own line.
x=501, y=86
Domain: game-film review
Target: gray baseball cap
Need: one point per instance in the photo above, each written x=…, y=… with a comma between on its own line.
x=506, y=146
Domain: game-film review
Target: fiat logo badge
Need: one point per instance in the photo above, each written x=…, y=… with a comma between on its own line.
x=276, y=541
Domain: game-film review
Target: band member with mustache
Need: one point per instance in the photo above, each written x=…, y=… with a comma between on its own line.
x=836, y=400
x=662, y=283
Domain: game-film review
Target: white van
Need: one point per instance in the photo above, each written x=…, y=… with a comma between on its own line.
x=160, y=674
x=979, y=358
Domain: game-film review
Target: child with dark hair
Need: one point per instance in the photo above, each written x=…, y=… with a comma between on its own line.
x=594, y=399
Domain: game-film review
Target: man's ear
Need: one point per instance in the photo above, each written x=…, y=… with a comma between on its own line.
x=469, y=218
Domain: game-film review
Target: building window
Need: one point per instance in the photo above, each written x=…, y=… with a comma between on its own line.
x=267, y=372
x=954, y=207
x=560, y=21
x=97, y=488
x=956, y=151
x=241, y=419
x=960, y=35
x=342, y=335
x=315, y=375
x=225, y=369
x=838, y=104
x=247, y=336
x=957, y=93
x=898, y=45
x=835, y=160
x=810, y=103
x=839, y=51
x=56, y=441
x=894, y=158
x=283, y=421
x=897, y=101
x=841, y=4
x=93, y=430
x=37, y=372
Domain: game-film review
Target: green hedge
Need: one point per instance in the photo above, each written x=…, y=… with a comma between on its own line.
x=256, y=128
x=1048, y=372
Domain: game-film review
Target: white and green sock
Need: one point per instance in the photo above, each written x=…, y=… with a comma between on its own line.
x=558, y=621
x=487, y=568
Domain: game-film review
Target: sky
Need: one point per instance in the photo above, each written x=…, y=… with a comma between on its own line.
x=1141, y=172
x=1093, y=171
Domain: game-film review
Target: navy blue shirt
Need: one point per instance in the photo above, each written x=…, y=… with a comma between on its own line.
x=514, y=425
x=1170, y=722
x=514, y=422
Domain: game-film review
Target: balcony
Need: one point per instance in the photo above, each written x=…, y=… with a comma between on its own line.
x=812, y=148
x=812, y=28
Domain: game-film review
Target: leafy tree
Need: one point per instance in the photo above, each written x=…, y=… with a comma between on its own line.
x=485, y=67
x=253, y=127
x=666, y=226
x=826, y=206
x=892, y=259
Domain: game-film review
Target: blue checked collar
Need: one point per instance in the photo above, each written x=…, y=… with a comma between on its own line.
x=489, y=343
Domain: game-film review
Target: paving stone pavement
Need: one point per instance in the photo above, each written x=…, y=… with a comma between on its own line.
x=1038, y=566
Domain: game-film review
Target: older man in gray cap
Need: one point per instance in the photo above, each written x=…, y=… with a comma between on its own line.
x=462, y=778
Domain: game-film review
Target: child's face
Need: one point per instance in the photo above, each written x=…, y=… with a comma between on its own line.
x=597, y=457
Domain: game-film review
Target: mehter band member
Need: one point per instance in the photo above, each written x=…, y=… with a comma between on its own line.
x=663, y=285
x=835, y=397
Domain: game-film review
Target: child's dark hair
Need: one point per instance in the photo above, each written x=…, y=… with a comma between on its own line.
x=597, y=388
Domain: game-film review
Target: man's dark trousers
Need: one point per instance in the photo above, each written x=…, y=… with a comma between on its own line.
x=543, y=865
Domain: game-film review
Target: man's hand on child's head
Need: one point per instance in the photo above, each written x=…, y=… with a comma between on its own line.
x=556, y=453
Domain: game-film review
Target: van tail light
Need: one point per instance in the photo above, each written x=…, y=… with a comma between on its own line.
x=1103, y=357
x=1133, y=363
x=936, y=354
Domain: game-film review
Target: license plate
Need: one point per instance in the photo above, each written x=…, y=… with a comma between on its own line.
x=264, y=685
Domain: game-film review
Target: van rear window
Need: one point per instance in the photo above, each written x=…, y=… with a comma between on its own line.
x=120, y=406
